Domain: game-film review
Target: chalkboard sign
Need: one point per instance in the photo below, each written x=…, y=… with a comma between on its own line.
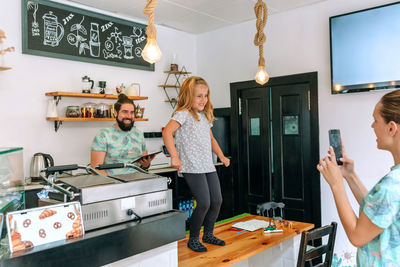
x=55, y=30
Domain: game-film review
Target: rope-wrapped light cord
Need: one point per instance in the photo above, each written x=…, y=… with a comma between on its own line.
x=261, y=11
x=148, y=10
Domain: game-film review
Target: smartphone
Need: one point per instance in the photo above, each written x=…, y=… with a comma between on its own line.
x=336, y=142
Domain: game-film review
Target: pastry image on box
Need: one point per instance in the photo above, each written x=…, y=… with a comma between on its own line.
x=16, y=242
x=47, y=213
x=76, y=227
x=34, y=227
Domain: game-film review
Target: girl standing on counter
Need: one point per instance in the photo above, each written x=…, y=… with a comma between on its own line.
x=192, y=156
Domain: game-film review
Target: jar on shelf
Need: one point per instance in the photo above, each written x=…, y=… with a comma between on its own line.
x=88, y=110
x=102, y=111
x=111, y=111
x=73, y=112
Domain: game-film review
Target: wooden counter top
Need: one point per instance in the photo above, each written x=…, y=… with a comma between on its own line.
x=238, y=246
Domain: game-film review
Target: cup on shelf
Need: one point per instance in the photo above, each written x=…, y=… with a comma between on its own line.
x=52, y=109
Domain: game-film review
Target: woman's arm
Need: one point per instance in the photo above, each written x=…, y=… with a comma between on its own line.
x=354, y=182
x=217, y=150
x=356, y=186
x=97, y=158
x=168, y=138
x=361, y=230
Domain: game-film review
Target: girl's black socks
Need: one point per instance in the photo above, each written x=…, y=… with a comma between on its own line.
x=195, y=245
x=211, y=239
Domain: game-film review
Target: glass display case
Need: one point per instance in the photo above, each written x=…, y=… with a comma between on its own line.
x=12, y=194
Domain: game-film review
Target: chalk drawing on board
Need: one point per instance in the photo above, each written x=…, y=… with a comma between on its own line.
x=127, y=42
x=113, y=40
x=138, y=51
x=52, y=36
x=137, y=32
x=94, y=40
x=77, y=39
x=35, y=25
x=68, y=18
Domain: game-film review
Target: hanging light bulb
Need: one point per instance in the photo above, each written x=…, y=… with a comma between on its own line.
x=261, y=75
x=261, y=11
x=151, y=52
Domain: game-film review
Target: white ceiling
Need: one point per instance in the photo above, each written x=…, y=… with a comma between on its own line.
x=195, y=16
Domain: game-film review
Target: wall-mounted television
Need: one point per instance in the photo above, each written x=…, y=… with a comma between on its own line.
x=365, y=49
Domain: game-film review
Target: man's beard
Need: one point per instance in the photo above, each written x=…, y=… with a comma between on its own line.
x=123, y=126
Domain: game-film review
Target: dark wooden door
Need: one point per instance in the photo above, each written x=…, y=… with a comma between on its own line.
x=292, y=160
x=254, y=147
x=279, y=164
x=222, y=133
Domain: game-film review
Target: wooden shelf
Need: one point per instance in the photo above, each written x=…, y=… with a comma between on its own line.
x=59, y=120
x=86, y=95
x=5, y=68
x=88, y=119
x=177, y=72
x=169, y=86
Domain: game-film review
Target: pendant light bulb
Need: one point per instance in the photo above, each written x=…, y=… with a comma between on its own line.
x=261, y=76
x=151, y=52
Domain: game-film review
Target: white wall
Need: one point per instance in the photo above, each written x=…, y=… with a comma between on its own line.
x=298, y=42
x=24, y=104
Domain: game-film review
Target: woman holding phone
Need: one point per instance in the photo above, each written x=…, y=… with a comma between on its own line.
x=376, y=231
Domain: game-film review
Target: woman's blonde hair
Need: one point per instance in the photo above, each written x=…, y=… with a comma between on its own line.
x=390, y=109
x=186, y=95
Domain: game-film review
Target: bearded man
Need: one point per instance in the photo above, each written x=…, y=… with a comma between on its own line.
x=122, y=142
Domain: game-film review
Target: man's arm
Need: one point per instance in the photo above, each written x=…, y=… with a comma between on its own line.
x=97, y=158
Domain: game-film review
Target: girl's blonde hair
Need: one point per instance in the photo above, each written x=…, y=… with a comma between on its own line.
x=186, y=95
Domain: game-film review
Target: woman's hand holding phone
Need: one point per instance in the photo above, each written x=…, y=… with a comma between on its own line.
x=330, y=169
x=348, y=164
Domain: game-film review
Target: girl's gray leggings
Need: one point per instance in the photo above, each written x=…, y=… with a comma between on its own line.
x=206, y=190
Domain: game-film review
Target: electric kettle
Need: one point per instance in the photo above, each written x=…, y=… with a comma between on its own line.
x=40, y=161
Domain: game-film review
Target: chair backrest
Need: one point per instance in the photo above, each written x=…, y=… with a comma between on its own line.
x=315, y=252
x=267, y=209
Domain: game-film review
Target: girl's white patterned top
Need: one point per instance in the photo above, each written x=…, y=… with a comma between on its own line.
x=193, y=142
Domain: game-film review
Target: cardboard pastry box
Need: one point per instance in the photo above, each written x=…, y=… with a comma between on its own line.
x=33, y=227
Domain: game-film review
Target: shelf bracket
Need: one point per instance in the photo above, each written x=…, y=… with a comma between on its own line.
x=57, y=99
x=57, y=125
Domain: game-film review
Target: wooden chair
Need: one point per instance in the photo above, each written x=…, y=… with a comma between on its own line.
x=307, y=254
x=266, y=208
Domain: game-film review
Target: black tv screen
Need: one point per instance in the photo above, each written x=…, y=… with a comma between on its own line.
x=365, y=49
